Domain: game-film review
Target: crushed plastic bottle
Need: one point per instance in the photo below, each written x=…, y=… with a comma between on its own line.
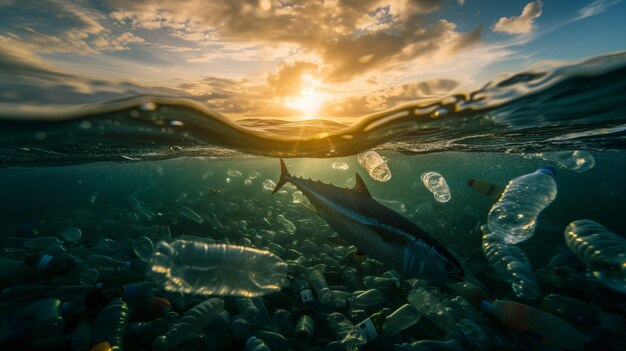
x=269, y=185
x=375, y=166
x=400, y=319
x=601, y=250
x=436, y=184
x=345, y=332
x=514, y=217
x=216, y=269
x=342, y=166
x=287, y=224
x=512, y=265
x=189, y=324
x=576, y=161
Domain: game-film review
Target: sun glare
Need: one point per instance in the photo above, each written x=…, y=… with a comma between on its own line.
x=310, y=100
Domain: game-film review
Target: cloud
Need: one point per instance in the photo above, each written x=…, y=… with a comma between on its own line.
x=596, y=7
x=350, y=37
x=288, y=80
x=387, y=98
x=523, y=24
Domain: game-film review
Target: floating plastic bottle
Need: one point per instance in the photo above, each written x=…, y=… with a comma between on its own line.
x=269, y=185
x=110, y=325
x=345, y=332
x=143, y=248
x=342, y=166
x=537, y=326
x=304, y=330
x=318, y=281
x=400, y=319
x=576, y=161
x=375, y=166
x=234, y=173
x=431, y=306
x=298, y=197
x=487, y=188
x=514, y=217
x=512, y=265
x=191, y=214
x=436, y=184
x=601, y=250
x=189, y=324
x=216, y=269
x=72, y=234
x=287, y=224
x=371, y=327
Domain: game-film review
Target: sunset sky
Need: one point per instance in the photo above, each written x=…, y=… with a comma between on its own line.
x=288, y=58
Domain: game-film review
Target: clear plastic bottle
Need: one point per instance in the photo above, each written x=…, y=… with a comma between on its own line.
x=345, y=332
x=110, y=324
x=371, y=282
x=239, y=327
x=512, y=265
x=287, y=224
x=475, y=334
x=537, y=326
x=368, y=298
x=248, y=309
x=318, y=281
x=372, y=326
x=189, y=324
x=41, y=243
x=601, y=250
x=45, y=318
x=72, y=234
x=216, y=269
x=375, y=166
x=143, y=248
x=485, y=187
x=514, y=217
x=436, y=184
x=576, y=161
x=191, y=214
x=400, y=319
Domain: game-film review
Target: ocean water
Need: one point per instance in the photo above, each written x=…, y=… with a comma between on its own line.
x=124, y=169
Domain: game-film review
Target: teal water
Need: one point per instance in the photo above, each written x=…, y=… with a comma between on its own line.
x=120, y=170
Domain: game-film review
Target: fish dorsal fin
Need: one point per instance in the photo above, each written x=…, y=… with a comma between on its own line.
x=360, y=186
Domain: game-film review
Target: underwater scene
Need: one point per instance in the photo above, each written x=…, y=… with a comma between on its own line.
x=376, y=208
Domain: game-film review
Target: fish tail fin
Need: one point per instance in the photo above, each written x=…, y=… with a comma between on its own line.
x=284, y=173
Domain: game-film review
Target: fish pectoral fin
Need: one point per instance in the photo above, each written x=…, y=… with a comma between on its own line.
x=388, y=236
x=310, y=208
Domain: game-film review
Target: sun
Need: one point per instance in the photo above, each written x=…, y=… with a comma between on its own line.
x=310, y=100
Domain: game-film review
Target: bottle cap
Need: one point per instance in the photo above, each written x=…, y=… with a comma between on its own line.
x=548, y=169
x=484, y=305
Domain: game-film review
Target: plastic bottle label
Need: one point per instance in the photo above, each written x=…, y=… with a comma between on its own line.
x=306, y=295
x=367, y=329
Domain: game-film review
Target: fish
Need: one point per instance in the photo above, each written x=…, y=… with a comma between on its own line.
x=377, y=230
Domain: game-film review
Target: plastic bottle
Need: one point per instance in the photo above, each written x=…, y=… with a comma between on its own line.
x=487, y=188
x=41, y=243
x=536, y=325
x=216, y=269
x=110, y=324
x=514, y=217
x=143, y=248
x=576, y=161
x=345, y=332
x=72, y=234
x=375, y=166
x=371, y=282
x=513, y=266
x=475, y=334
x=190, y=214
x=400, y=319
x=81, y=337
x=50, y=265
x=255, y=344
x=601, y=250
x=101, y=261
x=189, y=324
x=324, y=295
x=287, y=224
x=436, y=184
x=368, y=298
x=248, y=309
x=304, y=330
x=239, y=327
x=45, y=319
x=430, y=305
x=371, y=327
